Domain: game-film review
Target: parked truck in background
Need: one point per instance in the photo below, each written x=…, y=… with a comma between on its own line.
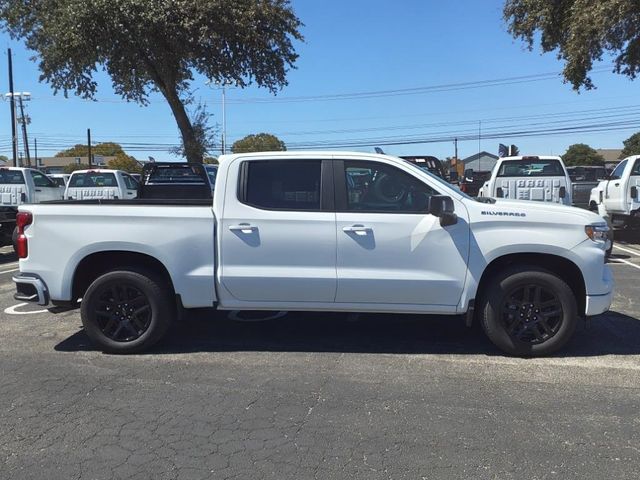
x=102, y=184
x=19, y=186
x=537, y=178
x=583, y=180
x=318, y=231
x=617, y=195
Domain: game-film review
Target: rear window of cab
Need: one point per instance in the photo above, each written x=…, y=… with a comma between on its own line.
x=531, y=168
x=11, y=177
x=93, y=179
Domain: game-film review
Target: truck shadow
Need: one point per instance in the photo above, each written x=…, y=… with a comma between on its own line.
x=209, y=331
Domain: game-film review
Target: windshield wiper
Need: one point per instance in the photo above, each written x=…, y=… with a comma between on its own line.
x=485, y=200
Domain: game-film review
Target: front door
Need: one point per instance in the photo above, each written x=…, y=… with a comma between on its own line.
x=277, y=234
x=389, y=250
x=44, y=188
x=615, y=191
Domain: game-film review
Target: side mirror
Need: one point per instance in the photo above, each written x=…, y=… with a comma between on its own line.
x=634, y=192
x=468, y=174
x=442, y=206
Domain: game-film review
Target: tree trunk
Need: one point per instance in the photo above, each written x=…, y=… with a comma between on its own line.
x=192, y=150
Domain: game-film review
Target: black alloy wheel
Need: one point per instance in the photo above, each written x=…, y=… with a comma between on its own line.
x=532, y=314
x=123, y=312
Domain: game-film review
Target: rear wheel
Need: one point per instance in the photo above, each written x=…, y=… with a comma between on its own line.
x=529, y=312
x=127, y=311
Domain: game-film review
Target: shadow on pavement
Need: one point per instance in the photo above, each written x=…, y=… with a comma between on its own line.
x=8, y=257
x=210, y=331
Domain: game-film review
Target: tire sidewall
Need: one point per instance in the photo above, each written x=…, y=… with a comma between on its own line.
x=507, y=282
x=161, y=310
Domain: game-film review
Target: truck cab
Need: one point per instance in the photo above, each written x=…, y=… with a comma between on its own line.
x=101, y=184
x=537, y=178
x=617, y=195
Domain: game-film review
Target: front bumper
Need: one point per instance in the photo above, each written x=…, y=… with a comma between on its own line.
x=597, y=304
x=30, y=288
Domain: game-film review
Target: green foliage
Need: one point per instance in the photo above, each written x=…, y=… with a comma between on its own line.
x=631, y=146
x=106, y=149
x=126, y=163
x=262, y=142
x=4, y=158
x=72, y=167
x=150, y=46
x=582, y=154
x=581, y=32
x=211, y=160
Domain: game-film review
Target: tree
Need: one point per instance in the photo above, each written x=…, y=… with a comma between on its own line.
x=4, y=159
x=105, y=149
x=631, y=146
x=126, y=163
x=582, y=154
x=72, y=167
x=581, y=32
x=262, y=142
x=211, y=160
x=150, y=46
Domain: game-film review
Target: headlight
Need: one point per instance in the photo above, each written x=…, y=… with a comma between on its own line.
x=598, y=232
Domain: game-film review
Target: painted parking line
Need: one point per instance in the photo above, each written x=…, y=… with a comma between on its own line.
x=13, y=310
x=9, y=271
x=621, y=261
x=628, y=250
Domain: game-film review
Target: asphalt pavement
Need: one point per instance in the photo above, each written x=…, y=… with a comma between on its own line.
x=319, y=396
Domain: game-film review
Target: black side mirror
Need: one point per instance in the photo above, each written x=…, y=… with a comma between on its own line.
x=468, y=175
x=442, y=206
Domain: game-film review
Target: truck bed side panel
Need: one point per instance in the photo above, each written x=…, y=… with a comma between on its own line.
x=180, y=237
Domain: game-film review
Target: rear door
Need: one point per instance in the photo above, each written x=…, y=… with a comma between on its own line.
x=277, y=235
x=615, y=192
x=390, y=251
x=131, y=186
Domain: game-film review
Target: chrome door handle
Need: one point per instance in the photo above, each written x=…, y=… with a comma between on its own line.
x=357, y=229
x=243, y=227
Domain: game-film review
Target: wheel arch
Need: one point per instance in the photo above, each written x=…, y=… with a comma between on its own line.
x=561, y=266
x=95, y=264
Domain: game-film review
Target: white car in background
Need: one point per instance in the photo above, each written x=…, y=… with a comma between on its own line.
x=537, y=178
x=101, y=184
x=60, y=179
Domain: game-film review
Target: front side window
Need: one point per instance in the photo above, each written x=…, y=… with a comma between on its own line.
x=378, y=187
x=617, y=172
x=283, y=184
x=41, y=180
x=636, y=167
x=531, y=168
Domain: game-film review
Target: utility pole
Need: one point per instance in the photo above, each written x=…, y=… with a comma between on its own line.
x=14, y=137
x=24, y=130
x=479, y=137
x=35, y=146
x=224, y=120
x=89, y=144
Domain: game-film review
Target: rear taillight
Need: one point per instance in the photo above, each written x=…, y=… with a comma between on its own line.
x=23, y=219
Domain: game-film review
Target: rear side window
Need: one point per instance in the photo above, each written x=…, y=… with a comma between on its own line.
x=531, y=168
x=130, y=182
x=282, y=185
x=636, y=168
x=11, y=177
x=93, y=179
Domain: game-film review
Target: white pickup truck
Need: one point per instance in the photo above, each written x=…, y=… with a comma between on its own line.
x=538, y=178
x=318, y=231
x=101, y=184
x=18, y=186
x=617, y=196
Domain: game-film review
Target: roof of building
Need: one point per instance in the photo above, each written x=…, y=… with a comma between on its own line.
x=476, y=156
x=610, y=154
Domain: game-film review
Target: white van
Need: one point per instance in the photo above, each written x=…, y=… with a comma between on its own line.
x=101, y=184
x=538, y=178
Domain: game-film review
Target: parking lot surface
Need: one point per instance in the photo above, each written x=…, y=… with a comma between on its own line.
x=319, y=396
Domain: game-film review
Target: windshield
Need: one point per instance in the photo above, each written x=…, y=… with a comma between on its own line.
x=531, y=168
x=93, y=179
x=11, y=177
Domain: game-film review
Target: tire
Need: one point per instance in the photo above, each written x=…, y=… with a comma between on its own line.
x=528, y=312
x=127, y=310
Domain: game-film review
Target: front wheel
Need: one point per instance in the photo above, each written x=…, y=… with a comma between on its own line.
x=529, y=312
x=127, y=311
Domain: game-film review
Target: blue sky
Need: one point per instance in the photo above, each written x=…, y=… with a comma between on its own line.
x=365, y=46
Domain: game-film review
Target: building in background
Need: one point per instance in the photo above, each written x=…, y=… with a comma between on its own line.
x=57, y=164
x=480, y=162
